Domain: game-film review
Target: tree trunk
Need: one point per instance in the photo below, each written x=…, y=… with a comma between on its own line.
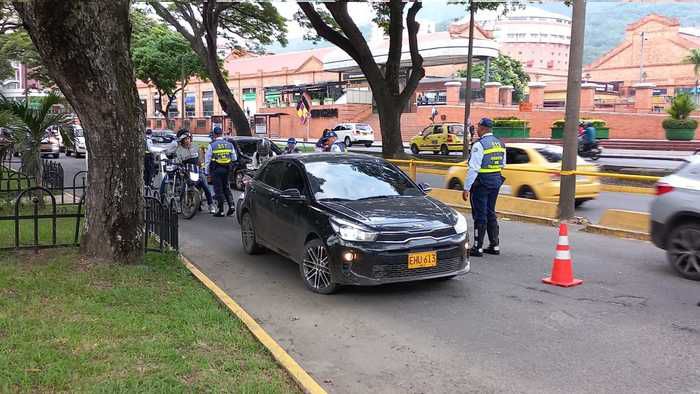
x=468, y=88
x=567, y=189
x=390, y=126
x=228, y=103
x=90, y=62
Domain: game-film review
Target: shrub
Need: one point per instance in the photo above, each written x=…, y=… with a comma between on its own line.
x=687, y=124
x=510, y=122
x=681, y=107
x=597, y=123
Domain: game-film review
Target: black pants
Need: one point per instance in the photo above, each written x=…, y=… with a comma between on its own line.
x=148, y=169
x=219, y=177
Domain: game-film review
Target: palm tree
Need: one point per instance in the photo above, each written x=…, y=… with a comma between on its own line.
x=694, y=59
x=30, y=127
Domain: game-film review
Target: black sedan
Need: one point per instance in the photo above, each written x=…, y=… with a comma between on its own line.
x=351, y=219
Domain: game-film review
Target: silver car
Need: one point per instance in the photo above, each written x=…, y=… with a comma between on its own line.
x=675, y=218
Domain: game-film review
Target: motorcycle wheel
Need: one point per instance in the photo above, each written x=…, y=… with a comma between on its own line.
x=190, y=201
x=595, y=155
x=238, y=180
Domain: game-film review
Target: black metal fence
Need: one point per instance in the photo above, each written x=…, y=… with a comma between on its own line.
x=52, y=215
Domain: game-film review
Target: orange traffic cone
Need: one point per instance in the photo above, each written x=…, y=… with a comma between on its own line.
x=562, y=268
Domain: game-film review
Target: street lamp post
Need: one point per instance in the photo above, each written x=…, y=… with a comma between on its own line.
x=641, y=60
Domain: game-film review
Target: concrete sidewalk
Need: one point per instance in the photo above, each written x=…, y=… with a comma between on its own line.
x=632, y=326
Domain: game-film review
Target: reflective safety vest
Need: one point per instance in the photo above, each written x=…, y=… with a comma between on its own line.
x=494, y=155
x=222, y=152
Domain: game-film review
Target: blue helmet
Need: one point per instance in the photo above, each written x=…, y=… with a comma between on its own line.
x=217, y=130
x=291, y=141
x=332, y=134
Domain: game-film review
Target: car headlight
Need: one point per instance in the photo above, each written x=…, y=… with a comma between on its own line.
x=352, y=232
x=461, y=225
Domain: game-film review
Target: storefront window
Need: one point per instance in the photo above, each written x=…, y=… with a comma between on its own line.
x=156, y=107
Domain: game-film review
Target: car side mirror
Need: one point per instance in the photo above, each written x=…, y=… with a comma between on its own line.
x=292, y=195
x=426, y=188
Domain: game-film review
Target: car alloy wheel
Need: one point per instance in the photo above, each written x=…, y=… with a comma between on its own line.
x=444, y=150
x=683, y=250
x=414, y=149
x=348, y=142
x=315, y=268
x=248, y=238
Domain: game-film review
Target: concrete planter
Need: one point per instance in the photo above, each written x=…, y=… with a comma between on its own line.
x=602, y=133
x=680, y=134
x=511, y=132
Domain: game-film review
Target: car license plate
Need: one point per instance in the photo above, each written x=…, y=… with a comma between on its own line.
x=422, y=260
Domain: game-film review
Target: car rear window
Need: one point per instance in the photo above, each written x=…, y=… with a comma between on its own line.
x=363, y=127
x=247, y=147
x=552, y=154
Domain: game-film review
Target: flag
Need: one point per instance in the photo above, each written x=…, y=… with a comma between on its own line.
x=303, y=108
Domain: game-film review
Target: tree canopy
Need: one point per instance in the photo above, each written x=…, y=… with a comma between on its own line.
x=164, y=58
x=503, y=69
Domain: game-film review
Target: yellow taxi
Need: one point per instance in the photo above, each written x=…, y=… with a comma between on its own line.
x=535, y=185
x=440, y=138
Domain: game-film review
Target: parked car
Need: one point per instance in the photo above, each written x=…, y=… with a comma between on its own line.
x=535, y=185
x=355, y=133
x=440, y=138
x=164, y=141
x=351, y=219
x=50, y=146
x=245, y=148
x=78, y=144
x=675, y=218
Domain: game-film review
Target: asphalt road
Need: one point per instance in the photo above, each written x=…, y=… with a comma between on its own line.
x=633, y=326
x=590, y=209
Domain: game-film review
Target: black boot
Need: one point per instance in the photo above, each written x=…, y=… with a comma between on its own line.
x=479, y=235
x=220, y=210
x=492, y=229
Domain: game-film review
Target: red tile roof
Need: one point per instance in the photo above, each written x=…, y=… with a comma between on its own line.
x=274, y=63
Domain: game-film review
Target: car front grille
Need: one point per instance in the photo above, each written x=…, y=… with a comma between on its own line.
x=397, y=271
x=404, y=236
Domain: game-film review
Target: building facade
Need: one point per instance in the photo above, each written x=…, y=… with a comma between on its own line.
x=652, y=51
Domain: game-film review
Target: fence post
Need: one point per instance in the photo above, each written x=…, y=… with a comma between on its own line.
x=412, y=170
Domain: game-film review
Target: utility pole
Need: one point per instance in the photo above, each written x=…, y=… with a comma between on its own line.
x=183, y=115
x=567, y=190
x=468, y=89
x=641, y=60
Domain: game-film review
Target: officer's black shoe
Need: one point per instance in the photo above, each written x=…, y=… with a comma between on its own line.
x=218, y=215
x=493, y=249
x=230, y=212
x=476, y=252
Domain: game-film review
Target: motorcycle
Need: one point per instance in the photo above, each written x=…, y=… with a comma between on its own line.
x=181, y=188
x=593, y=153
x=246, y=180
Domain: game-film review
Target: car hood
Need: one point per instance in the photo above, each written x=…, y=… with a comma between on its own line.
x=395, y=213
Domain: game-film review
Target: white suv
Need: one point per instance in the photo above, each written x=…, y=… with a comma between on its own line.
x=355, y=133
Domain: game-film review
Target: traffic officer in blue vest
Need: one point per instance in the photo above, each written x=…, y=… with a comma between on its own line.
x=484, y=180
x=219, y=159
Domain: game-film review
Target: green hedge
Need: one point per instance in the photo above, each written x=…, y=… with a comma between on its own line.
x=510, y=121
x=597, y=123
x=670, y=123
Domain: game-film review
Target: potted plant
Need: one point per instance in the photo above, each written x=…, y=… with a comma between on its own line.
x=511, y=127
x=679, y=126
x=601, y=127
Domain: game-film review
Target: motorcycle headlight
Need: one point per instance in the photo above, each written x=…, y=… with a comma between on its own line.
x=250, y=166
x=461, y=225
x=352, y=232
x=194, y=176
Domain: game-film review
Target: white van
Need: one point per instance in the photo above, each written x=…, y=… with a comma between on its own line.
x=355, y=133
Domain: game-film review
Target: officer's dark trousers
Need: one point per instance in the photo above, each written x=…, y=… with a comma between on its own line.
x=483, y=196
x=148, y=169
x=219, y=177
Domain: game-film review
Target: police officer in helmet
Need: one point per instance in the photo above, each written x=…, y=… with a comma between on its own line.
x=219, y=159
x=484, y=180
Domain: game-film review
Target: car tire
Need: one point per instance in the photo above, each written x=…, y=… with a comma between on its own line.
x=68, y=153
x=248, y=237
x=527, y=192
x=683, y=250
x=315, y=268
x=368, y=144
x=455, y=184
x=55, y=155
x=348, y=142
x=414, y=149
x=444, y=150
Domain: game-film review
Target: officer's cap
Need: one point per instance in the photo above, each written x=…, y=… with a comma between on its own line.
x=486, y=122
x=217, y=130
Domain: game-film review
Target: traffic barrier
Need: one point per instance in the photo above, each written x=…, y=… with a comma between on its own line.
x=519, y=208
x=624, y=224
x=562, y=267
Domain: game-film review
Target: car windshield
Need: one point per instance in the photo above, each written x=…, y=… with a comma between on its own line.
x=457, y=129
x=551, y=153
x=358, y=179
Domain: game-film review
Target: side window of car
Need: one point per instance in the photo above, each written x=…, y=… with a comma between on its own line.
x=427, y=131
x=516, y=156
x=272, y=174
x=438, y=130
x=292, y=178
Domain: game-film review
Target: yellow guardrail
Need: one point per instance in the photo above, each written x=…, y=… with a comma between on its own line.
x=414, y=164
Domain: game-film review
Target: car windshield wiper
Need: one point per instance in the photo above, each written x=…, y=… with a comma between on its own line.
x=331, y=199
x=378, y=197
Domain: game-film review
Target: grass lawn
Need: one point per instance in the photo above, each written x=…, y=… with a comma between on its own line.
x=70, y=325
